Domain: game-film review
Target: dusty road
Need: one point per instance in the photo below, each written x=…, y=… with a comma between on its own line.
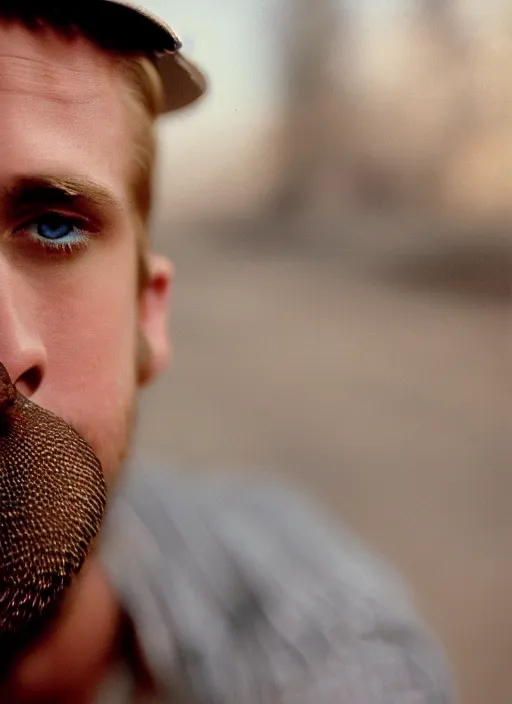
x=390, y=402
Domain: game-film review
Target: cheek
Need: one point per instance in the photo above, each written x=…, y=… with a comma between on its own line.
x=90, y=335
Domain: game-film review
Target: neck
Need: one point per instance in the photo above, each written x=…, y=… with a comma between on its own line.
x=72, y=659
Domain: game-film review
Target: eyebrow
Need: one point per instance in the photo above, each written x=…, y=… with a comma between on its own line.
x=59, y=191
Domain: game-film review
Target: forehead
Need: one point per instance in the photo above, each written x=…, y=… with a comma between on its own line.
x=61, y=109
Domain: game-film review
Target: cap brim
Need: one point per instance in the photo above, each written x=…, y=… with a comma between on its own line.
x=183, y=80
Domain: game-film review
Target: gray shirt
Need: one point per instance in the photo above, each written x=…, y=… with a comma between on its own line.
x=243, y=592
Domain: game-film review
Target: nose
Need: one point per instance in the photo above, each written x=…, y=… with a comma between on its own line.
x=22, y=351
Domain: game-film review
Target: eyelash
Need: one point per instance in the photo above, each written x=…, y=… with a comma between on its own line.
x=61, y=245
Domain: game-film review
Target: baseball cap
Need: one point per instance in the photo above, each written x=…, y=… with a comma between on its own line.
x=183, y=80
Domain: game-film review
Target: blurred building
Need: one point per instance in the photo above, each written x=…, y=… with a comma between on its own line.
x=413, y=111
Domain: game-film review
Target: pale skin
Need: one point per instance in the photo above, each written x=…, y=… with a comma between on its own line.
x=70, y=315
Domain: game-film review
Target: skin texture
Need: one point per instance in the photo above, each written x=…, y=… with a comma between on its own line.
x=71, y=318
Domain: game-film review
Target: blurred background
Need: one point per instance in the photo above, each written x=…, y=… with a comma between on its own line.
x=338, y=209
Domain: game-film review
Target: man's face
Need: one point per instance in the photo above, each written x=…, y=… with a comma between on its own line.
x=69, y=307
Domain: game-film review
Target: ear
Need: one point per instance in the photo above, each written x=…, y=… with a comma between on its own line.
x=154, y=308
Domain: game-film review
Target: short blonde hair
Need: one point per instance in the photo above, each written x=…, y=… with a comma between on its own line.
x=145, y=97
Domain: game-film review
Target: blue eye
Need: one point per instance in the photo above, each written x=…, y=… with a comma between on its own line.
x=54, y=230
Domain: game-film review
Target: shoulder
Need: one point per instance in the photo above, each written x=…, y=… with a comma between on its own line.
x=260, y=580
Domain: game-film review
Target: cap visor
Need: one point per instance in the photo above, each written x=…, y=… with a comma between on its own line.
x=183, y=81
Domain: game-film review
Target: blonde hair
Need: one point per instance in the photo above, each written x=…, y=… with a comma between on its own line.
x=145, y=96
